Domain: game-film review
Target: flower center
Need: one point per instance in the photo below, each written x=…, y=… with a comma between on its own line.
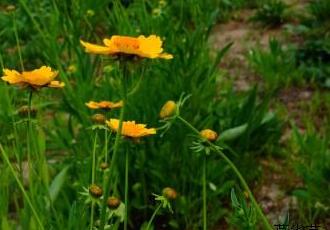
x=127, y=43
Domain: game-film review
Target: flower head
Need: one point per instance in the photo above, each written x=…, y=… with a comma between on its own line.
x=95, y=190
x=113, y=202
x=130, y=128
x=42, y=77
x=209, y=134
x=169, y=193
x=145, y=47
x=168, y=109
x=98, y=118
x=104, y=104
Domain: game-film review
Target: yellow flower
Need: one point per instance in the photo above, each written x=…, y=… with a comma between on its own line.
x=209, y=134
x=104, y=105
x=168, y=109
x=42, y=77
x=130, y=128
x=145, y=47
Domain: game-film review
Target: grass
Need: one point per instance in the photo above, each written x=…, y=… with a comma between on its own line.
x=52, y=149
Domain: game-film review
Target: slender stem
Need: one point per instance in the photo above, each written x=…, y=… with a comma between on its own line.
x=204, y=194
x=28, y=139
x=1, y=62
x=153, y=216
x=20, y=185
x=93, y=181
x=94, y=158
x=126, y=190
x=239, y=175
x=106, y=146
x=17, y=42
x=108, y=175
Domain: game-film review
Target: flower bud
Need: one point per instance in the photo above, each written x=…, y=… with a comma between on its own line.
x=113, y=202
x=72, y=69
x=23, y=111
x=168, y=109
x=104, y=165
x=90, y=13
x=98, y=118
x=95, y=191
x=10, y=8
x=209, y=134
x=169, y=193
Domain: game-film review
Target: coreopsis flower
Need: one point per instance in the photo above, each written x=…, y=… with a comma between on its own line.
x=209, y=134
x=42, y=77
x=104, y=105
x=168, y=109
x=141, y=46
x=130, y=128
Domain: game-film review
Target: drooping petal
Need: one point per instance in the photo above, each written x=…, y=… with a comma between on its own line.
x=96, y=49
x=12, y=76
x=92, y=105
x=56, y=84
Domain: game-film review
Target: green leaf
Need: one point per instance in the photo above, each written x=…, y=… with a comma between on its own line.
x=57, y=184
x=233, y=133
x=233, y=198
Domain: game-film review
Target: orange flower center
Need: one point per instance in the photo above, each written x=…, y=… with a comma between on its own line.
x=126, y=43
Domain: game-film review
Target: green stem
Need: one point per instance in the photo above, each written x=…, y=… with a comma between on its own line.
x=153, y=216
x=106, y=146
x=126, y=191
x=239, y=175
x=28, y=139
x=108, y=175
x=93, y=181
x=17, y=42
x=94, y=158
x=20, y=185
x=204, y=195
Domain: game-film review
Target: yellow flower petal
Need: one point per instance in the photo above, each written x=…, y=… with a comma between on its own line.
x=56, y=84
x=12, y=76
x=39, y=77
x=151, y=46
x=96, y=49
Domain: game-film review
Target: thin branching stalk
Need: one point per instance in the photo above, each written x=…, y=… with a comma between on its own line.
x=108, y=175
x=20, y=185
x=29, y=133
x=204, y=194
x=126, y=190
x=239, y=175
x=93, y=180
x=153, y=216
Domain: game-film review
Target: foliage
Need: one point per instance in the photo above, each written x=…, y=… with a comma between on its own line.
x=271, y=13
x=314, y=168
x=276, y=66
